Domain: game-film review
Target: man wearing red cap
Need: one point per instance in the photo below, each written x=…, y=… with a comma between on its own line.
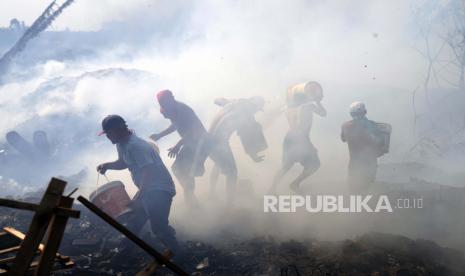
x=190, y=151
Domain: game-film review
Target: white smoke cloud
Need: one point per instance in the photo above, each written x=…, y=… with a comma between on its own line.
x=357, y=50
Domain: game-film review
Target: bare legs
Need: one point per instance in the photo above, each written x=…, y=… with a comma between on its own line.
x=279, y=176
x=215, y=174
x=295, y=185
x=188, y=184
x=231, y=180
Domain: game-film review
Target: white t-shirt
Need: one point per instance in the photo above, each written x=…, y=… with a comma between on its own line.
x=137, y=154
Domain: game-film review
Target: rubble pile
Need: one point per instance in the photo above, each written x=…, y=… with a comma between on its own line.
x=93, y=245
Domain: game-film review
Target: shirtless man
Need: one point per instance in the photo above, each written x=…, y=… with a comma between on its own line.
x=190, y=151
x=236, y=116
x=297, y=147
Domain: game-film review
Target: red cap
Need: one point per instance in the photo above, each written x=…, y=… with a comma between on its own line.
x=164, y=94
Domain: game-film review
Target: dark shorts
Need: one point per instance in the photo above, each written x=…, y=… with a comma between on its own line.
x=300, y=150
x=190, y=160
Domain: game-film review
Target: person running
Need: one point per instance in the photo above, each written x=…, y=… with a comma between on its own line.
x=190, y=152
x=297, y=147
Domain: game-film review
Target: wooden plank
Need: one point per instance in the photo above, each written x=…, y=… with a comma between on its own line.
x=18, y=234
x=12, y=249
x=18, y=204
x=9, y=250
x=67, y=212
x=34, y=207
x=38, y=227
x=57, y=230
x=7, y=260
x=133, y=237
x=7, y=241
x=153, y=266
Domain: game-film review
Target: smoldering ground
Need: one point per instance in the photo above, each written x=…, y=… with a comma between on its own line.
x=357, y=51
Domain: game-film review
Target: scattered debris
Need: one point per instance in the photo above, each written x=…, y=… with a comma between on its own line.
x=160, y=259
x=373, y=253
x=49, y=221
x=203, y=264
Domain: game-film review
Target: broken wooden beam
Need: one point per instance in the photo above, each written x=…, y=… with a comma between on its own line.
x=34, y=207
x=9, y=250
x=18, y=234
x=38, y=227
x=57, y=229
x=18, y=204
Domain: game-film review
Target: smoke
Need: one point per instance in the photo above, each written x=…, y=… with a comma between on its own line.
x=359, y=50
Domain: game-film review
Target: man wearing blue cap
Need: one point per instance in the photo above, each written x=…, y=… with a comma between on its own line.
x=149, y=174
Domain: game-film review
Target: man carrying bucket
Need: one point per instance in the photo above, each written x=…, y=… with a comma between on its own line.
x=304, y=100
x=191, y=151
x=156, y=187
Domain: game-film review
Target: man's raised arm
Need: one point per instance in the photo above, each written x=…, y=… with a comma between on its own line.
x=169, y=130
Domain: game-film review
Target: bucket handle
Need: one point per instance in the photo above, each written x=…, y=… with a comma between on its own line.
x=98, y=177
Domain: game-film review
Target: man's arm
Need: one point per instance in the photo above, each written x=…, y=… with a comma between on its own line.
x=115, y=165
x=343, y=138
x=169, y=130
x=173, y=151
x=319, y=109
x=222, y=101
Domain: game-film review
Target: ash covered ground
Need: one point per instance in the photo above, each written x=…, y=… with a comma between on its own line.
x=92, y=245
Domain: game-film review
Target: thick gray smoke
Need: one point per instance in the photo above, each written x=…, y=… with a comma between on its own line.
x=357, y=50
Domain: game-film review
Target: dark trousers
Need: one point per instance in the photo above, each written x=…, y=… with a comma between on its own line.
x=157, y=205
x=154, y=206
